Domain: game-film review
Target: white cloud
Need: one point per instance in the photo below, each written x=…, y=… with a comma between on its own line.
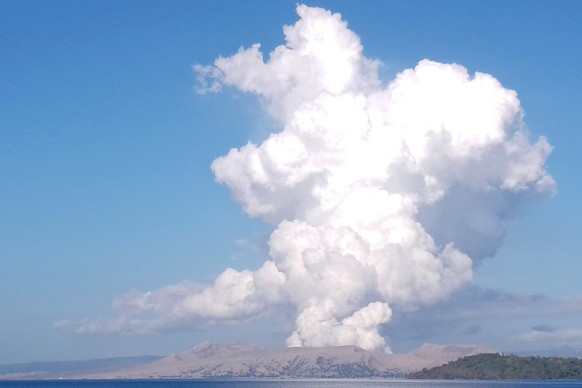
x=564, y=337
x=379, y=194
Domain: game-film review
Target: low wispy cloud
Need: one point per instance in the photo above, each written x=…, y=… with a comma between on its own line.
x=473, y=316
x=556, y=337
x=484, y=316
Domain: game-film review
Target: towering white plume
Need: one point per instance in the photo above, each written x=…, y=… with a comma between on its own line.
x=381, y=195
x=360, y=174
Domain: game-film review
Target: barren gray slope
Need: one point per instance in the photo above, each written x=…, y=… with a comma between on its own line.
x=210, y=360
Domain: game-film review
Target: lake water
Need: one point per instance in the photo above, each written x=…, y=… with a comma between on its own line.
x=287, y=384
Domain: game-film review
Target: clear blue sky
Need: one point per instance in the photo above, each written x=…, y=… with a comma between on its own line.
x=105, y=154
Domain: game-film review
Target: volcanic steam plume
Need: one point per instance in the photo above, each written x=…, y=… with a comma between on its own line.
x=382, y=196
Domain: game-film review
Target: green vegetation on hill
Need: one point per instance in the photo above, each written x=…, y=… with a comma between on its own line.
x=495, y=366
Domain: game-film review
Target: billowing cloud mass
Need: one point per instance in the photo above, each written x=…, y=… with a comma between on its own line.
x=382, y=196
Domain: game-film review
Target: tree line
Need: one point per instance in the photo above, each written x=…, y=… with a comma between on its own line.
x=496, y=366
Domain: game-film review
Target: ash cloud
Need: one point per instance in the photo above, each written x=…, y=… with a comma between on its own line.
x=382, y=196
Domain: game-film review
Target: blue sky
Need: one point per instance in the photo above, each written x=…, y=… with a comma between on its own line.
x=105, y=154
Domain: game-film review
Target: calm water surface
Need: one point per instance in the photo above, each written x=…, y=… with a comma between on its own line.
x=290, y=384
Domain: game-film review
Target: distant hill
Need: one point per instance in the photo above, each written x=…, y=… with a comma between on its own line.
x=243, y=360
x=495, y=366
x=67, y=368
